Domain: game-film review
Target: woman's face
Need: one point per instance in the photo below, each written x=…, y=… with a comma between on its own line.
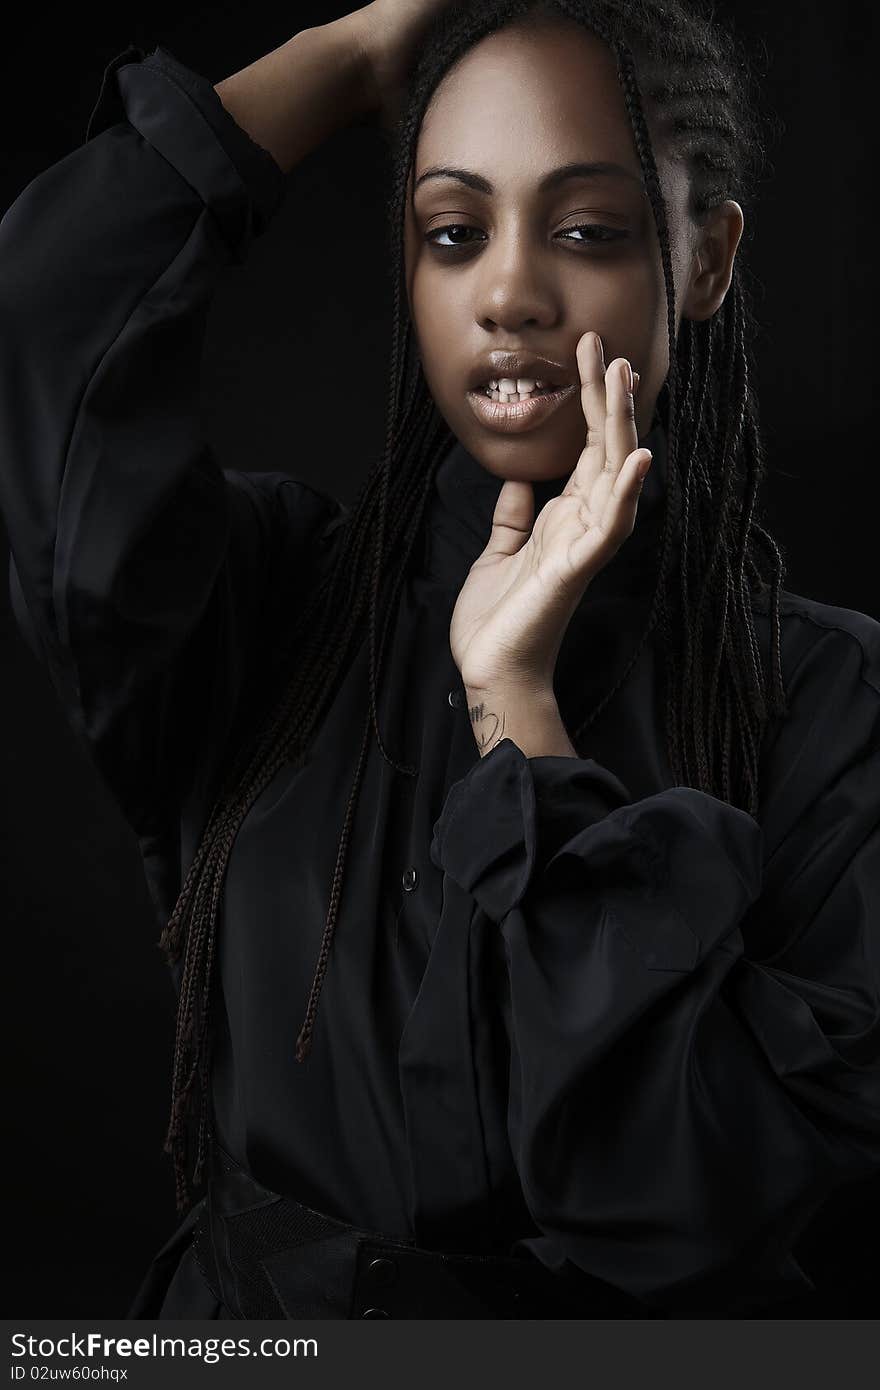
x=517, y=106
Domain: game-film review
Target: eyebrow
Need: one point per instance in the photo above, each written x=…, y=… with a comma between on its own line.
x=574, y=170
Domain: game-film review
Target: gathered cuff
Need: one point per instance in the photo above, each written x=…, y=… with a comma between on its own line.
x=179, y=113
x=486, y=837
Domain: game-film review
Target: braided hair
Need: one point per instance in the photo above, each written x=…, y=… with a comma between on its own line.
x=685, y=80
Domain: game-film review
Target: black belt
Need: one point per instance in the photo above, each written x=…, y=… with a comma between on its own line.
x=264, y=1255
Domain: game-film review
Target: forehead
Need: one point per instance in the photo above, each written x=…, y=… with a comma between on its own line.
x=528, y=92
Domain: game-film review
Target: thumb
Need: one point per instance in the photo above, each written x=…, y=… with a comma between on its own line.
x=513, y=518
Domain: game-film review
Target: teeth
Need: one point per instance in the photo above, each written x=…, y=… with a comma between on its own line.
x=509, y=389
x=506, y=390
x=523, y=385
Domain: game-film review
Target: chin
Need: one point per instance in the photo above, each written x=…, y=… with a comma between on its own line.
x=518, y=459
x=525, y=474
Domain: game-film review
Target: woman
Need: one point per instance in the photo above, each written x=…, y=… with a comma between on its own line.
x=577, y=1017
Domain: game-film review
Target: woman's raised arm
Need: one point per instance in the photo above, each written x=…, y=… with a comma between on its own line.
x=290, y=100
x=138, y=566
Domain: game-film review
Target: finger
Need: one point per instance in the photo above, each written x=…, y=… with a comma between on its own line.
x=623, y=501
x=591, y=365
x=621, y=435
x=619, y=408
x=602, y=540
x=512, y=519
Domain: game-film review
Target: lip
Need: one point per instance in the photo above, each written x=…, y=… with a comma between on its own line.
x=514, y=363
x=513, y=417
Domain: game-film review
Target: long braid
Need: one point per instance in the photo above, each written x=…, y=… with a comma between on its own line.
x=733, y=418
x=678, y=69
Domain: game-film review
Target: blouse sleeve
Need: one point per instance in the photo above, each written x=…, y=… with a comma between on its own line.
x=140, y=572
x=695, y=1052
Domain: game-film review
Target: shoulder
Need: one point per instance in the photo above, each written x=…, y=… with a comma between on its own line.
x=291, y=505
x=820, y=643
x=834, y=630
x=830, y=658
x=285, y=525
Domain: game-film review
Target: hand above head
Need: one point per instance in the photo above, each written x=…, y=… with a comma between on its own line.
x=515, y=605
x=391, y=31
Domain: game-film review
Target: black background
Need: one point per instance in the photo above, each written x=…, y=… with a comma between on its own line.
x=89, y=1007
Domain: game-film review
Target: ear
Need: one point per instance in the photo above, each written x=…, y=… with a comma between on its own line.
x=712, y=262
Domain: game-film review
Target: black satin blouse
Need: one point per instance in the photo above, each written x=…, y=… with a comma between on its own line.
x=572, y=1009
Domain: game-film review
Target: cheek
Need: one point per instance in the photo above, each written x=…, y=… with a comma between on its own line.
x=629, y=315
x=644, y=335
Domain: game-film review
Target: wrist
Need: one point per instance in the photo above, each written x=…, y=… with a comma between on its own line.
x=537, y=694
x=526, y=714
x=294, y=97
x=362, y=31
x=355, y=34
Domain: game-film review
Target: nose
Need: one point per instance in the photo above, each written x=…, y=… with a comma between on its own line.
x=513, y=288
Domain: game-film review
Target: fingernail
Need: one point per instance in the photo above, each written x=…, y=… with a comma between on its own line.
x=600, y=350
x=636, y=380
x=629, y=377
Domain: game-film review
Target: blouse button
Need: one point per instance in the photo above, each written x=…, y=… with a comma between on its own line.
x=455, y=699
x=384, y=1271
x=410, y=879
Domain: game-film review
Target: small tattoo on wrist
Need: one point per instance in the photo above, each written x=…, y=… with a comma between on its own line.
x=493, y=732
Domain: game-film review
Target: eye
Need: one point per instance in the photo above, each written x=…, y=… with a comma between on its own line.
x=450, y=227
x=597, y=235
